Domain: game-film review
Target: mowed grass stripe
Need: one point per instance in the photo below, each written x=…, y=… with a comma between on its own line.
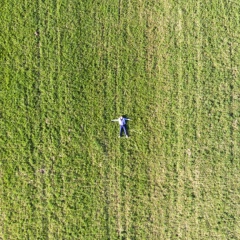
x=117, y=182
x=17, y=118
x=220, y=116
x=212, y=134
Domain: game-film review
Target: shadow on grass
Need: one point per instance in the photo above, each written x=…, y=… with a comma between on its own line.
x=127, y=127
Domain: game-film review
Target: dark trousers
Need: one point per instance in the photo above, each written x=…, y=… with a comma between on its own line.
x=123, y=128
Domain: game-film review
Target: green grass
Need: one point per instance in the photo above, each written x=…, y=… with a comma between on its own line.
x=68, y=67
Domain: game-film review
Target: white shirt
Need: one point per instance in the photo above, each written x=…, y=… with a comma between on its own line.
x=121, y=121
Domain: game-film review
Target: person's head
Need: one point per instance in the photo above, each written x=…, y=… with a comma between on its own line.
x=121, y=117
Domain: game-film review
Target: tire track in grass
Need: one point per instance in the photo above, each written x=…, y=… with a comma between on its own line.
x=118, y=164
x=50, y=100
x=165, y=139
x=131, y=68
x=111, y=110
x=177, y=195
x=125, y=59
x=33, y=104
x=182, y=106
x=233, y=181
x=158, y=159
x=104, y=77
x=42, y=188
x=197, y=173
x=120, y=229
x=155, y=56
x=4, y=128
x=58, y=120
x=193, y=68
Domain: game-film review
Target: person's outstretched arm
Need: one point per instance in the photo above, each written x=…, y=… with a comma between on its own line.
x=114, y=120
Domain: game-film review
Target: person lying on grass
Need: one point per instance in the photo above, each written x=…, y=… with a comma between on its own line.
x=122, y=123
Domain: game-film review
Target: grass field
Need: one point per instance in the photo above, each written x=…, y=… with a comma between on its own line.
x=70, y=66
